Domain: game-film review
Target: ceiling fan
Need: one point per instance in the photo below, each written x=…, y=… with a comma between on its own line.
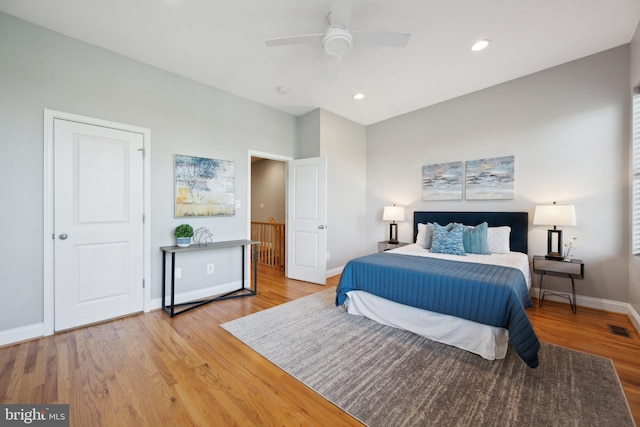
x=338, y=39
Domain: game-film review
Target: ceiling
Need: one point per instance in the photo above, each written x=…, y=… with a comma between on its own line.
x=221, y=44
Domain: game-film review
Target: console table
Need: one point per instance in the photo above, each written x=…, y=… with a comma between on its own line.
x=173, y=250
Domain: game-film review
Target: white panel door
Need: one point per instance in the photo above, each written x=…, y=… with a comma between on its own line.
x=98, y=198
x=307, y=220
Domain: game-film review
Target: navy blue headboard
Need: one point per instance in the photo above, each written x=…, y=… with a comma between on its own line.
x=518, y=221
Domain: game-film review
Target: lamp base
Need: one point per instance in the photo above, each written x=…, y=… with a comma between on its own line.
x=554, y=253
x=393, y=232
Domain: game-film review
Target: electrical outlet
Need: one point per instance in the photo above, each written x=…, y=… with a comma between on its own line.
x=209, y=268
x=178, y=274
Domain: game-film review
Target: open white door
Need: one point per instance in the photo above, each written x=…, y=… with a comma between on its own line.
x=307, y=220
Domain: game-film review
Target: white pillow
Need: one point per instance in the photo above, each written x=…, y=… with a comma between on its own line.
x=422, y=234
x=498, y=240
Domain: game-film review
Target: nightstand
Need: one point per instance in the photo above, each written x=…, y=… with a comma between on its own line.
x=573, y=269
x=386, y=245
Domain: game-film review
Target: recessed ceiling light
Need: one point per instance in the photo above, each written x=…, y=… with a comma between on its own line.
x=283, y=90
x=358, y=96
x=480, y=44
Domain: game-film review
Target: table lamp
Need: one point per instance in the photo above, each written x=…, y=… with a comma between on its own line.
x=554, y=215
x=393, y=213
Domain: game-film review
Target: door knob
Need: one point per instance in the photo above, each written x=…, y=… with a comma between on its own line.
x=63, y=236
x=321, y=227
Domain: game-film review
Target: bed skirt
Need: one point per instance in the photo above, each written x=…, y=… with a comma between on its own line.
x=489, y=342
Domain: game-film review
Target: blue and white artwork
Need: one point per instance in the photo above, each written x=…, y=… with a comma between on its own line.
x=442, y=181
x=490, y=179
x=204, y=187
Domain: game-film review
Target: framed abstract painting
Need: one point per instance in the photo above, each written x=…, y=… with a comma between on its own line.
x=203, y=187
x=490, y=179
x=442, y=181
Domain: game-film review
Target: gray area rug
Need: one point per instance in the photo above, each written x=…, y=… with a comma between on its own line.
x=388, y=377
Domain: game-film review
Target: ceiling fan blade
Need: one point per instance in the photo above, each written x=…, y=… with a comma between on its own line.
x=333, y=70
x=340, y=13
x=283, y=41
x=380, y=38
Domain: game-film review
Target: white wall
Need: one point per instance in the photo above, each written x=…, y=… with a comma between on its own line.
x=343, y=142
x=41, y=69
x=308, y=135
x=568, y=130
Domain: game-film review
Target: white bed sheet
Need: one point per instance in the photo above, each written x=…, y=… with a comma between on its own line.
x=489, y=342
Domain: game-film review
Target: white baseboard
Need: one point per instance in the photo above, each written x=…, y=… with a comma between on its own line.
x=197, y=294
x=589, y=302
x=597, y=303
x=334, y=271
x=634, y=317
x=24, y=333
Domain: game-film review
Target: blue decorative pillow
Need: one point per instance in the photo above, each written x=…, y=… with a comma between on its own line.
x=474, y=239
x=428, y=237
x=447, y=242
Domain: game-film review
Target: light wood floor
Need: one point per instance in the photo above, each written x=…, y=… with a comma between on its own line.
x=149, y=369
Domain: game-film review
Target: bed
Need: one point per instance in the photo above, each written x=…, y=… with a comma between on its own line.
x=475, y=302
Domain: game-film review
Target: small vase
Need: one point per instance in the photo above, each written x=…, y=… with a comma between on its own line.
x=568, y=255
x=183, y=242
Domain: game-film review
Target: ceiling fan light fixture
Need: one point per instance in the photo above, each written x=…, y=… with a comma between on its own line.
x=337, y=41
x=480, y=44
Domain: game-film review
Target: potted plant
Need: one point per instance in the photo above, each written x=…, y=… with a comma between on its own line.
x=184, y=233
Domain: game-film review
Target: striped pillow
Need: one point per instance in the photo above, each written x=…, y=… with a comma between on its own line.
x=474, y=239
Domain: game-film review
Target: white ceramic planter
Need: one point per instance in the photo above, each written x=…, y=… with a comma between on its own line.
x=183, y=242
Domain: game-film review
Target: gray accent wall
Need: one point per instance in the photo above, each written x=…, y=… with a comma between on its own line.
x=568, y=128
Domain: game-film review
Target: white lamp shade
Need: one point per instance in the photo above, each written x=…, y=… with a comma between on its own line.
x=393, y=213
x=554, y=215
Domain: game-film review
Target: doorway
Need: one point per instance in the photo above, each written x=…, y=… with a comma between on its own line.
x=305, y=234
x=269, y=213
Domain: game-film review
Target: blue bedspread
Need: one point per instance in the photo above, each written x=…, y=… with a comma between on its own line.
x=488, y=294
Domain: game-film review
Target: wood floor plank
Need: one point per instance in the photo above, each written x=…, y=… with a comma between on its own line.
x=149, y=369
